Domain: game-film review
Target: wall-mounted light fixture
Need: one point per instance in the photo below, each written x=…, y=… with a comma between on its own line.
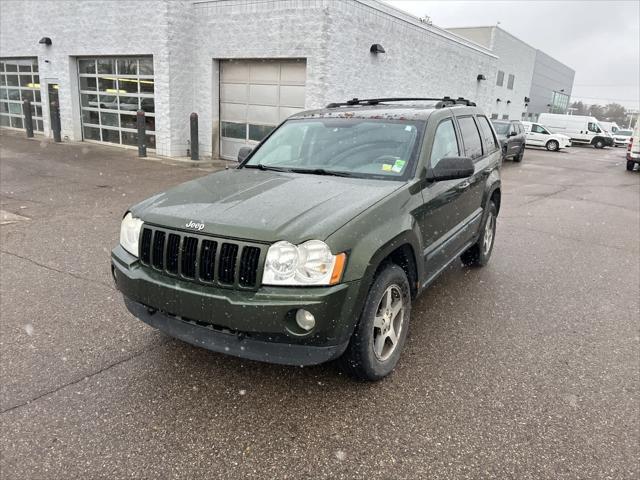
x=45, y=41
x=527, y=99
x=498, y=100
x=377, y=48
x=508, y=102
x=481, y=77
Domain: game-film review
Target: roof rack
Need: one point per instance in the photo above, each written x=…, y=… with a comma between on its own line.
x=442, y=101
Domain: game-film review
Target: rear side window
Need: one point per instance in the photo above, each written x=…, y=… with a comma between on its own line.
x=445, y=143
x=470, y=137
x=489, y=138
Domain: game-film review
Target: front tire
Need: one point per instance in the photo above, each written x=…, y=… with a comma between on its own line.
x=553, y=146
x=478, y=254
x=379, y=337
x=598, y=144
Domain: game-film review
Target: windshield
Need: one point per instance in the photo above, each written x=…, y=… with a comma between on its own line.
x=367, y=148
x=502, y=128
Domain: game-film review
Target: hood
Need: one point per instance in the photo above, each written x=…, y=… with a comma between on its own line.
x=265, y=206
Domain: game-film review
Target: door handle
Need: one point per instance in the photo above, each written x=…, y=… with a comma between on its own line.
x=464, y=185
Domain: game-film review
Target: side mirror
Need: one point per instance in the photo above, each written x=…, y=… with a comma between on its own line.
x=244, y=153
x=512, y=134
x=452, y=168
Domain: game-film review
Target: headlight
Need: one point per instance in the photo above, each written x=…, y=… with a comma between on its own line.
x=129, y=233
x=311, y=263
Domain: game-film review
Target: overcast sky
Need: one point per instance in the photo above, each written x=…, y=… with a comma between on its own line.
x=600, y=40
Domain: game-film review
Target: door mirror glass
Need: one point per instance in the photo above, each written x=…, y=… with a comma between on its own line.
x=452, y=168
x=512, y=133
x=243, y=153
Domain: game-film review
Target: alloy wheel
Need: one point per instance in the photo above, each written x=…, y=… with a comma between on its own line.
x=487, y=241
x=388, y=322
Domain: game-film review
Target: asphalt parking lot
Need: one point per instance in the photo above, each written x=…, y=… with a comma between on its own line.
x=528, y=368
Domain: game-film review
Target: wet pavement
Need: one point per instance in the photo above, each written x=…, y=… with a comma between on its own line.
x=528, y=368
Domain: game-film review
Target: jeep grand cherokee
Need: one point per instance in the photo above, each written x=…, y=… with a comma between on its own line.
x=316, y=245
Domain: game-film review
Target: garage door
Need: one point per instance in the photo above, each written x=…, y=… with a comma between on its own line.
x=255, y=96
x=112, y=89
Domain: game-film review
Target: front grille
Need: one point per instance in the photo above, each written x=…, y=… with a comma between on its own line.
x=201, y=258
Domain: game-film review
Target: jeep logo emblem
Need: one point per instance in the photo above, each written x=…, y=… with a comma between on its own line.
x=195, y=225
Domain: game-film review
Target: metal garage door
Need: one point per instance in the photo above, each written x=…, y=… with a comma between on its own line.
x=255, y=96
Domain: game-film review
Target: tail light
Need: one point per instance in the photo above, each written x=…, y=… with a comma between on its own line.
x=630, y=143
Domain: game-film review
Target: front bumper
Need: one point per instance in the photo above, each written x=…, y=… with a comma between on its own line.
x=259, y=325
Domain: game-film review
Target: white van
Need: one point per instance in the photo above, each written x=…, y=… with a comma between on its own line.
x=581, y=129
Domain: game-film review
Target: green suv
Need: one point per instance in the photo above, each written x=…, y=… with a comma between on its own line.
x=315, y=246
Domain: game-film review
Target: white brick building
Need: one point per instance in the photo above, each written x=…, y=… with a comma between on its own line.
x=242, y=65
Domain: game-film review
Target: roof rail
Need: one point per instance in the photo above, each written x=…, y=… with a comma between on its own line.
x=442, y=101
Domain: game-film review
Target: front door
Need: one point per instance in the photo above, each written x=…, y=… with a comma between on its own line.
x=538, y=135
x=444, y=212
x=54, y=106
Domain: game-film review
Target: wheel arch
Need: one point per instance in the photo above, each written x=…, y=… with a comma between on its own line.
x=403, y=250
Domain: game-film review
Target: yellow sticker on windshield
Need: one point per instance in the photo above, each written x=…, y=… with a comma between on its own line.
x=386, y=167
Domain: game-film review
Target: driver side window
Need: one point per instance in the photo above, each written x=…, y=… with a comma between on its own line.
x=539, y=129
x=445, y=143
x=593, y=127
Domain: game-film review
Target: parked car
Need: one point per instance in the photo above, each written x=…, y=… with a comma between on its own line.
x=316, y=245
x=512, y=138
x=633, y=148
x=611, y=127
x=539, y=136
x=622, y=138
x=579, y=128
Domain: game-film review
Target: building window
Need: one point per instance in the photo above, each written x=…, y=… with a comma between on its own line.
x=500, y=80
x=494, y=116
x=505, y=117
x=510, y=81
x=559, y=102
x=112, y=90
x=19, y=81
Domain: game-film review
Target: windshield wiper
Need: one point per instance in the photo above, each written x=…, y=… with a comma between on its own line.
x=260, y=166
x=321, y=171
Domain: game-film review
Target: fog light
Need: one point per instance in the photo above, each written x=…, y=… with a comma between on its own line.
x=305, y=320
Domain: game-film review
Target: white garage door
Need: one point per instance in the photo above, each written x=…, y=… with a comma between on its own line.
x=255, y=96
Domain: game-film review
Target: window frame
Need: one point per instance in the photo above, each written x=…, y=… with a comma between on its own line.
x=510, y=81
x=456, y=133
x=496, y=143
x=500, y=79
x=475, y=122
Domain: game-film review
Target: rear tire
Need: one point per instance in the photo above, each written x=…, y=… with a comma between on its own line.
x=478, y=254
x=519, y=156
x=372, y=353
x=630, y=165
x=598, y=144
x=553, y=146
